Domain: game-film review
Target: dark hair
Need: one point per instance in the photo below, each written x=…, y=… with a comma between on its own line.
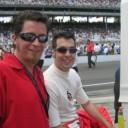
x=26, y=15
x=62, y=34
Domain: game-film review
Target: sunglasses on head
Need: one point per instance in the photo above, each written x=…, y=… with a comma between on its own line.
x=30, y=37
x=63, y=50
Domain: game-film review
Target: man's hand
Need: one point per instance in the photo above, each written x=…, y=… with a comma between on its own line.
x=108, y=125
x=60, y=126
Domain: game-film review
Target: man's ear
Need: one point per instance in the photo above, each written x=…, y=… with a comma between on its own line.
x=13, y=38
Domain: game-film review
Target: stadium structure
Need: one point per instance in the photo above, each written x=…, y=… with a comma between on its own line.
x=100, y=31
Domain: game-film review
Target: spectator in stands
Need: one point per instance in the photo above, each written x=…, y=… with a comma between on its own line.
x=23, y=97
x=117, y=49
x=1, y=53
x=106, y=50
x=97, y=48
x=12, y=49
x=41, y=60
x=63, y=85
x=90, y=50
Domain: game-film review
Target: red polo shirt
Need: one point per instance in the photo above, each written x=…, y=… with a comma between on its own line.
x=20, y=105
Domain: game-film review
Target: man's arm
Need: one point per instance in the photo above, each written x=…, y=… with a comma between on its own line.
x=91, y=109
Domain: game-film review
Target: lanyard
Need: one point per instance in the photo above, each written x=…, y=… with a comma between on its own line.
x=30, y=76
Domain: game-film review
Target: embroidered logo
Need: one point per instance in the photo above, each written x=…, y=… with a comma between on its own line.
x=69, y=95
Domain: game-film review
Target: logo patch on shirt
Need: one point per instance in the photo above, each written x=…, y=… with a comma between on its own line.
x=69, y=96
x=75, y=124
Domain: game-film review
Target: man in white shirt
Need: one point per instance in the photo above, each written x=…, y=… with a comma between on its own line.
x=63, y=85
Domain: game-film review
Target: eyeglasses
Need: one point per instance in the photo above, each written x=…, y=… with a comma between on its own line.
x=30, y=37
x=63, y=50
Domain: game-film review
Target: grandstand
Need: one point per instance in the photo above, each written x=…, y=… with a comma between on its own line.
x=62, y=3
x=62, y=7
x=99, y=32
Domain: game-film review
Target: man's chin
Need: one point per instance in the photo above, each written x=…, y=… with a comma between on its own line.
x=34, y=60
x=67, y=67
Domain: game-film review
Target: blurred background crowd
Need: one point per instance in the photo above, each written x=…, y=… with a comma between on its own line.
x=90, y=3
x=106, y=37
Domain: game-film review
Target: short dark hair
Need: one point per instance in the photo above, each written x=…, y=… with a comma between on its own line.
x=62, y=34
x=21, y=17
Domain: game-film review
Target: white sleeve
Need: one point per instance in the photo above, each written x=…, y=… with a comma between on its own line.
x=81, y=97
x=54, y=118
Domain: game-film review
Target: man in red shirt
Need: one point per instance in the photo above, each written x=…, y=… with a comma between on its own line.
x=90, y=50
x=23, y=97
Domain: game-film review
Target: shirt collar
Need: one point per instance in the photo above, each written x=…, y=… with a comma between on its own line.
x=12, y=61
x=60, y=72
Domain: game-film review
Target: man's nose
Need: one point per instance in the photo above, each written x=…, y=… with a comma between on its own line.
x=36, y=42
x=68, y=53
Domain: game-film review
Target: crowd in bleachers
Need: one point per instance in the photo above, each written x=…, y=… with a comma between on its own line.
x=88, y=3
x=104, y=40
x=107, y=48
